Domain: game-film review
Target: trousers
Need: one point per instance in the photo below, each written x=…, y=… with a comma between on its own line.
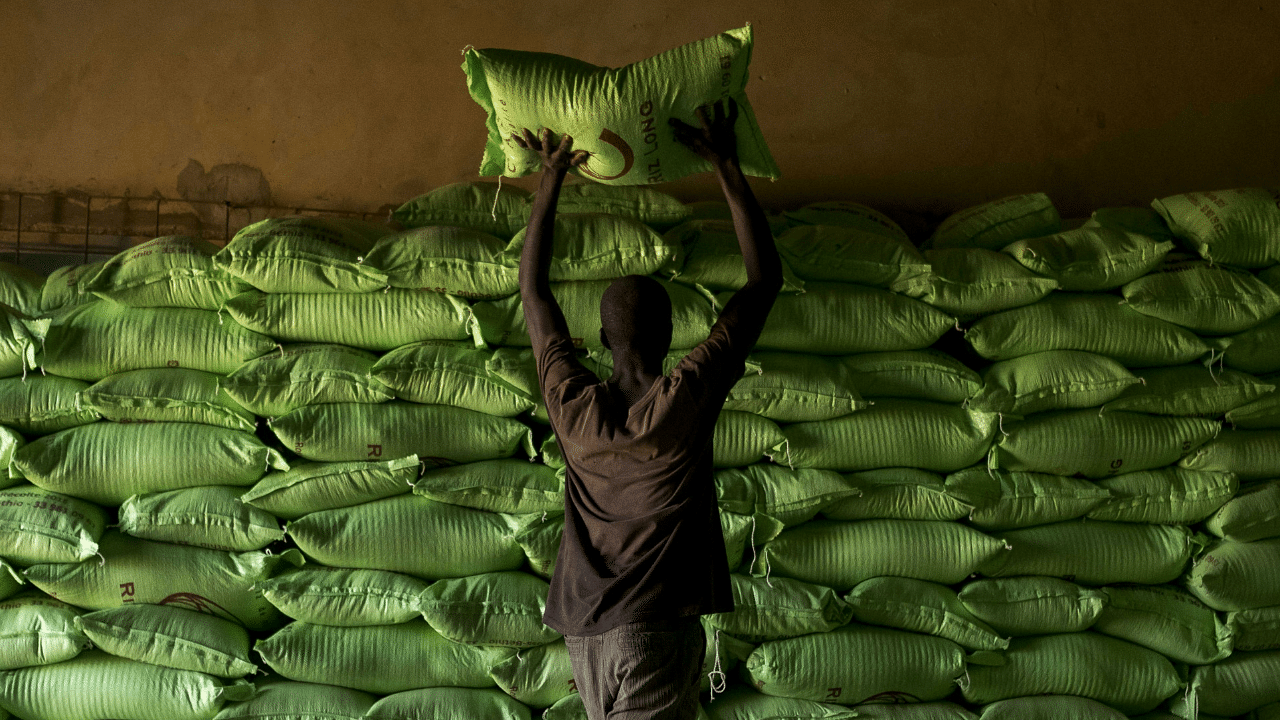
x=641, y=670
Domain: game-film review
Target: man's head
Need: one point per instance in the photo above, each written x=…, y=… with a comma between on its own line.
x=635, y=317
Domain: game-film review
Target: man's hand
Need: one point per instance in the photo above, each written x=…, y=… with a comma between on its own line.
x=716, y=140
x=556, y=159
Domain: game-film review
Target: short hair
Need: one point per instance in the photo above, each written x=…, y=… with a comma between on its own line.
x=635, y=313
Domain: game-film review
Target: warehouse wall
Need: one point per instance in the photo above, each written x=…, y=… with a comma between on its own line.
x=923, y=105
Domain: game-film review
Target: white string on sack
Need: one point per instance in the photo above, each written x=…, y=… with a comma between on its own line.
x=1000, y=419
x=493, y=212
x=717, y=686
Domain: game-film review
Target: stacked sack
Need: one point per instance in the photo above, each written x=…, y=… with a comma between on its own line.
x=318, y=441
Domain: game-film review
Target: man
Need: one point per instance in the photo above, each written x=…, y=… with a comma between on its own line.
x=642, y=556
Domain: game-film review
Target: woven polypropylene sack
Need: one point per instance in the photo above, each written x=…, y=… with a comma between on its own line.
x=1171, y=496
x=842, y=554
x=791, y=387
x=36, y=629
x=451, y=260
x=1051, y=380
x=409, y=534
x=1256, y=350
x=1167, y=620
x=743, y=438
x=97, y=685
x=11, y=580
x=891, y=433
x=19, y=339
x=851, y=255
x=740, y=702
x=508, y=485
x=741, y=533
x=1207, y=299
x=974, y=281
x=713, y=257
x=345, y=597
x=1261, y=414
x=1050, y=707
x=779, y=608
x=1129, y=678
x=1090, y=259
x=373, y=321
x=501, y=322
x=643, y=204
x=1250, y=454
x=539, y=539
x=1252, y=514
x=173, y=637
x=47, y=527
x=1237, y=576
x=279, y=699
x=99, y=339
x=167, y=395
x=1234, y=227
x=142, y=571
x=1096, y=323
x=170, y=271
x=1192, y=390
x=1003, y=500
x=844, y=213
x=209, y=516
x=619, y=115
x=487, y=207
x=856, y=664
x=447, y=703
x=439, y=372
x=1257, y=629
x=305, y=374
x=913, y=374
x=340, y=432
x=1243, y=682
x=898, y=494
x=21, y=288
x=538, y=677
x=305, y=255
x=43, y=404
x=595, y=246
x=1096, y=552
x=379, y=659
x=840, y=319
x=792, y=496
x=107, y=462
x=519, y=370
x=499, y=608
x=1096, y=445
x=995, y=224
x=1141, y=220
x=10, y=441
x=921, y=606
x=1033, y=605
x=65, y=286
x=308, y=487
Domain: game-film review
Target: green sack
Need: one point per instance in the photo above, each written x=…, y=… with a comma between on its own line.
x=851, y=255
x=1192, y=390
x=1090, y=259
x=11, y=580
x=743, y=439
x=1167, y=620
x=1250, y=454
x=409, y=534
x=1096, y=323
x=43, y=404
x=1170, y=496
x=974, y=281
x=282, y=699
x=1256, y=350
x=713, y=257
x=446, y=703
x=1237, y=576
x=99, y=339
x=487, y=207
x=1261, y=414
x=914, y=374
x=538, y=677
x=439, y=372
x=1098, y=445
x=167, y=395
x=341, y=596
x=1141, y=220
x=741, y=533
x=97, y=685
x=1003, y=500
x=142, y=571
x=519, y=370
x=1207, y=299
x=105, y=463
x=539, y=539
x=498, y=608
x=210, y=516
x=36, y=629
x=1127, y=677
x=65, y=286
x=338, y=432
x=741, y=702
x=779, y=608
x=21, y=288
x=995, y=224
x=172, y=637
x=308, y=487
x=914, y=711
x=1051, y=380
x=501, y=322
x=1095, y=552
x=451, y=260
x=1032, y=605
x=506, y=485
x=844, y=213
x=897, y=494
x=891, y=433
x=10, y=441
x=1243, y=682
x=791, y=387
x=378, y=659
x=1234, y=227
x=375, y=321
x=600, y=247
x=921, y=606
x=856, y=664
x=791, y=496
x=47, y=527
x=1253, y=514
x=19, y=338
x=1257, y=629
x=642, y=204
x=1050, y=707
x=305, y=255
x=170, y=271
x=839, y=319
x=842, y=554
x=619, y=115
x=306, y=374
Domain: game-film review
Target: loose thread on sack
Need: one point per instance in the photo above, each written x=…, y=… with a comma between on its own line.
x=493, y=212
x=102, y=559
x=717, y=687
x=753, y=542
x=1000, y=422
x=766, y=571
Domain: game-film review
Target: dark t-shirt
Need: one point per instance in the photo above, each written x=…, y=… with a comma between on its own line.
x=642, y=538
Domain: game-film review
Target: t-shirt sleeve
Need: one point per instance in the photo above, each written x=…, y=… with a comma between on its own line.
x=721, y=359
x=560, y=374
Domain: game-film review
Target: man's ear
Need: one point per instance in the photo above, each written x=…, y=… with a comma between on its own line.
x=604, y=340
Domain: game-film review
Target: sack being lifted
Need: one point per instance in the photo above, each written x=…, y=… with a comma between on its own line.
x=619, y=115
